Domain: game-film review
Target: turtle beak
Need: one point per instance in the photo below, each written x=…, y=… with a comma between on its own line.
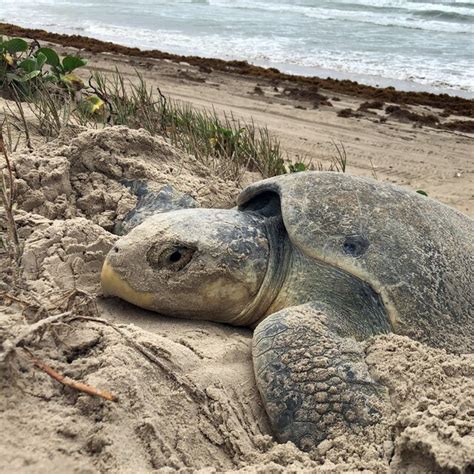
x=114, y=285
x=108, y=277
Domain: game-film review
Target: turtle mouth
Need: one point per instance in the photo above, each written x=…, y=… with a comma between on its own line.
x=278, y=262
x=114, y=285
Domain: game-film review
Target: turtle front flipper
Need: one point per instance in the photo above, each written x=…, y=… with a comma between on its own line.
x=150, y=203
x=312, y=376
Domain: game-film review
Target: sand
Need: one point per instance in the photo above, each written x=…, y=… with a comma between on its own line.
x=187, y=399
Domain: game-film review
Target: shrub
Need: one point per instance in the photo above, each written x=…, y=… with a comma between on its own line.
x=11, y=52
x=23, y=66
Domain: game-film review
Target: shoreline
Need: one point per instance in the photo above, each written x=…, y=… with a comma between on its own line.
x=371, y=80
x=452, y=104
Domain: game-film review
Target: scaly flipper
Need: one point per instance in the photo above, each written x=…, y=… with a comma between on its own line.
x=312, y=376
x=150, y=203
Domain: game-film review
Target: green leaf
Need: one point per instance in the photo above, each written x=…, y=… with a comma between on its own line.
x=296, y=167
x=94, y=104
x=25, y=78
x=420, y=191
x=52, y=57
x=16, y=45
x=72, y=62
x=72, y=81
x=31, y=75
x=28, y=65
x=50, y=78
x=41, y=59
x=13, y=77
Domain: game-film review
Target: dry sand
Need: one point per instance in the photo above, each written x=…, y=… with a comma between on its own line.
x=187, y=399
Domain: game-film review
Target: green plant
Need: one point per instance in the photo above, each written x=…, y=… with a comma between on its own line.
x=22, y=66
x=133, y=104
x=9, y=48
x=31, y=67
x=337, y=162
x=89, y=110
x=226, y=145
x=61, y=70
x=11, y=52
x=51, y=107
x=223, y=143
x=297, y=167
x=339, y=159
x=225, y=140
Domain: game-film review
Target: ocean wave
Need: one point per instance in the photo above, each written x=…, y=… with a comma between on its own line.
x=381, y=15
x=463, y=8
x=444, y=15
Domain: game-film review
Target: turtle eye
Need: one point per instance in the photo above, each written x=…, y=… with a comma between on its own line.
x=173, y=258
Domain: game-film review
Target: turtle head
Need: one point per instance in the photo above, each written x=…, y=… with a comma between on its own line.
x=193, y=263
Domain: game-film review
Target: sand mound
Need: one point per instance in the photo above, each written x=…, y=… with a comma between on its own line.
x=90, y=176
x=187, y=398
x=432, y=403
x=179, y=416
x=66, y=255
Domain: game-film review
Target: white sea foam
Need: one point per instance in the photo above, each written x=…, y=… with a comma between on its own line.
x=404, y=18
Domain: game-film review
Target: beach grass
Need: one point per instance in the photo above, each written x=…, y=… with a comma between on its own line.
x=223, y=143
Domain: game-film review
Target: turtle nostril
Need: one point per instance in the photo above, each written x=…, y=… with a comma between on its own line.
x=355, y=245
x=116, y=249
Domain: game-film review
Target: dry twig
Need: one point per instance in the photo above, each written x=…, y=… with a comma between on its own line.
x=140, y=348
x=7, y=195
x=9, y=347
x=339, y=161
x=372, y=167
x=68, y=382
x=7, y=125
x=22, y=119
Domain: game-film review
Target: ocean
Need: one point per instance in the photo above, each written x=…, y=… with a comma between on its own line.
x=409, y=44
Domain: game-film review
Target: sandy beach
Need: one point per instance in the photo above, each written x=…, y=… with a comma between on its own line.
x=187, y=399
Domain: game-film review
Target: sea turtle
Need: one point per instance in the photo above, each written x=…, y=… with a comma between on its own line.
x=317, y=263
